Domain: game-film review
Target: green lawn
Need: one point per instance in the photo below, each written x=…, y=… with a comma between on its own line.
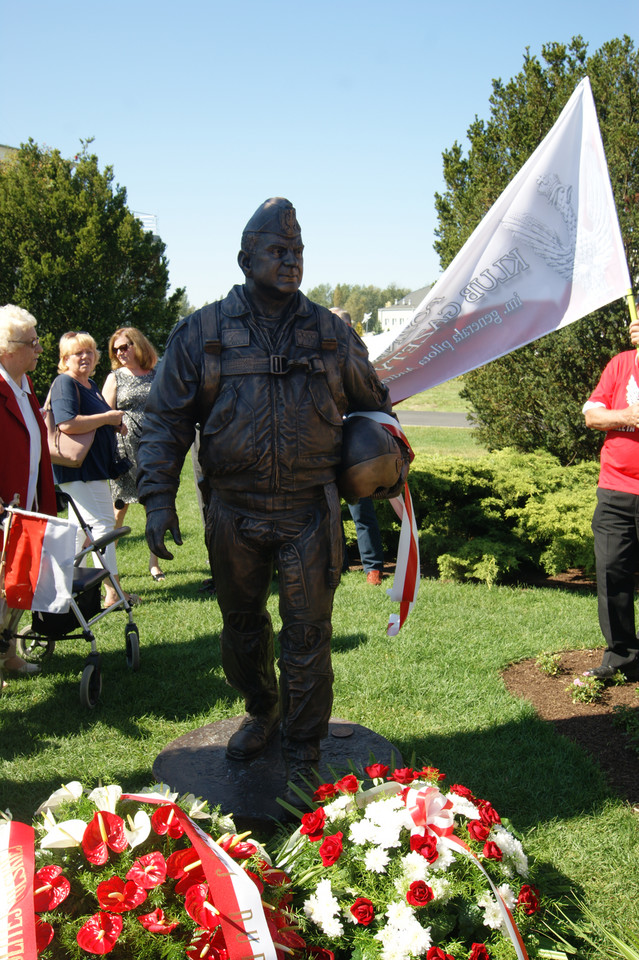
x=443, y=397
x=435, y=691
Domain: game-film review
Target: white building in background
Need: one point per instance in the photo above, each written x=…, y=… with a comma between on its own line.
x=394, y=316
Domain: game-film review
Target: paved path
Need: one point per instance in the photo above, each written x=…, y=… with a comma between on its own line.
x=432, y=418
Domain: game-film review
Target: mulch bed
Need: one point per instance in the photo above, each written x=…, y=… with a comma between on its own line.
x=588, y=724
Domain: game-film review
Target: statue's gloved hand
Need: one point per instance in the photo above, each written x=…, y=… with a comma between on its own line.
x=158, y=521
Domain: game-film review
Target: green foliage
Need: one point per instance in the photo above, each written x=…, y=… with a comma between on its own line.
x=489, y=518
x=549, y=663
x=73, y=254
x=358, y=301
x=628, y=720
x=532, y=399
x=586, y=690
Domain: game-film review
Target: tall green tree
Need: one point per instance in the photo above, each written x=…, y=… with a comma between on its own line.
x=532, y=398
x=73, y=254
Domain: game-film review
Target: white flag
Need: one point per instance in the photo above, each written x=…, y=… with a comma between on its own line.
x=39, y=562
x=548, y=252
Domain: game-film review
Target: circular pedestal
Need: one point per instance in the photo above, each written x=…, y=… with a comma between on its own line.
x=197, y=763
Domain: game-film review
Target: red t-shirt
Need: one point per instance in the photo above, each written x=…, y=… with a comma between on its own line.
x=617, y=389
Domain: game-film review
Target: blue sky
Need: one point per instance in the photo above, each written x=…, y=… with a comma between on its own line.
x=205, y=109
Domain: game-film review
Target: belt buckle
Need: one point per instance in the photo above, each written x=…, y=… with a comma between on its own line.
x=279, y=364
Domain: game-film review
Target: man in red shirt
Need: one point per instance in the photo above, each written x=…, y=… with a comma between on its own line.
x=613, y=407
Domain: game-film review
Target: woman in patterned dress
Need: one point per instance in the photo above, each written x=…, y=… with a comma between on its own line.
x=126, y=388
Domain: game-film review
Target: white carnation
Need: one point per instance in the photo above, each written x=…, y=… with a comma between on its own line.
x=376, y=860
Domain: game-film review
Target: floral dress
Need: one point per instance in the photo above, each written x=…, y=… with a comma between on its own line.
x=130, y=396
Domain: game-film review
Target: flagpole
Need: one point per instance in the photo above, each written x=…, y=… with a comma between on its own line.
x=632, y=306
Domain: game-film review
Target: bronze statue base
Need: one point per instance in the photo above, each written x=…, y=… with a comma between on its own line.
x=197, y=763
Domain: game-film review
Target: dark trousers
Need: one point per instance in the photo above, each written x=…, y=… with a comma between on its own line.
x=369, y=537
x=615, y=525
x=249, y=540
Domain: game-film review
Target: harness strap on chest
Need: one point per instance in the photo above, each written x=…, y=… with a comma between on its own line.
x=276, y=365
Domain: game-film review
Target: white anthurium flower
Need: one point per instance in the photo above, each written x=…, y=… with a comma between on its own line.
x=136, y=830
x=106, y=798
x=66, y=793
x=196, y=807
x=48, y=820
x=161, y=791
x=69, y=833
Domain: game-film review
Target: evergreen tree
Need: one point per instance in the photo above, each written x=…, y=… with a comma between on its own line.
x=73, y=254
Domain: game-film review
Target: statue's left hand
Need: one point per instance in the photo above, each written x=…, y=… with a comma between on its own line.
x=158, y=521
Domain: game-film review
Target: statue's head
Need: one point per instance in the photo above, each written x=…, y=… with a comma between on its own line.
x=271, y=256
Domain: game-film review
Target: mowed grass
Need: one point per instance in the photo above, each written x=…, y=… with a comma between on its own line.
x=435, y=691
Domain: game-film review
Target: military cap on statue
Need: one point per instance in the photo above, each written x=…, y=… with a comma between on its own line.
x=277, y=216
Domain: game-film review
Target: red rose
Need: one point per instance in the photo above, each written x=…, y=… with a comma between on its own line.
x=491, y=851
x=363, y=911
x=478, y=951
x=436, y=953
x=528, y=899
x=419, y=894
x=403, y=775
x=462, y=791
x=478, y=831
x=376, y=770
x=488, y=814
x=348, y=784
x=324, y=792
x=313, y=824
x=331, y=849
x=425, y=845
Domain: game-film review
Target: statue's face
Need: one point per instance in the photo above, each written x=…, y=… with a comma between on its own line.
x=275, y=266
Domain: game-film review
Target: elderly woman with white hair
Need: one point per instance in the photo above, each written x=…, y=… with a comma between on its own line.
x=26, y=466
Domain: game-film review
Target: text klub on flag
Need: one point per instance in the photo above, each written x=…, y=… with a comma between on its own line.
x=548, y=252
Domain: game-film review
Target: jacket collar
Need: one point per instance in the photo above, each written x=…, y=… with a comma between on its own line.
x=236, y=304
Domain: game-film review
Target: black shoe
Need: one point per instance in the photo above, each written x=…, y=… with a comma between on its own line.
x=252, y=736
x=604, y=672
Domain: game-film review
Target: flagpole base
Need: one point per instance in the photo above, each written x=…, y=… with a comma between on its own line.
x=197, y=763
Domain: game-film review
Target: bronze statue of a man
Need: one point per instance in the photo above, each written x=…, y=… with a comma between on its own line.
x=269, y=376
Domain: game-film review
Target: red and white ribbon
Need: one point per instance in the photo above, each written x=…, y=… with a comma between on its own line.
x=407, y=572
x=235, y=895
x=430, y=809
x=17, y=915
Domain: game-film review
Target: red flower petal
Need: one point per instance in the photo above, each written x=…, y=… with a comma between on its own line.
x=207, y=945
x=149, y=871
x=104, y=833
x=156, y=922
x=100, y=933
x=119, y=895
x=51, y=888
x=44, y=934
x=164, y=820
x=199, y=907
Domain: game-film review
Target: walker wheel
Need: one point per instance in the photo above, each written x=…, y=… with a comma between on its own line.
x=33, y=649
x=132, y=639
x=90, y=685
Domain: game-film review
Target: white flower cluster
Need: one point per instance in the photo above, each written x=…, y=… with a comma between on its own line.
x=493, y=916
x=514, y=857
x=322, y=908
x=462, y=806
x=336, y=807
x=403, y=936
